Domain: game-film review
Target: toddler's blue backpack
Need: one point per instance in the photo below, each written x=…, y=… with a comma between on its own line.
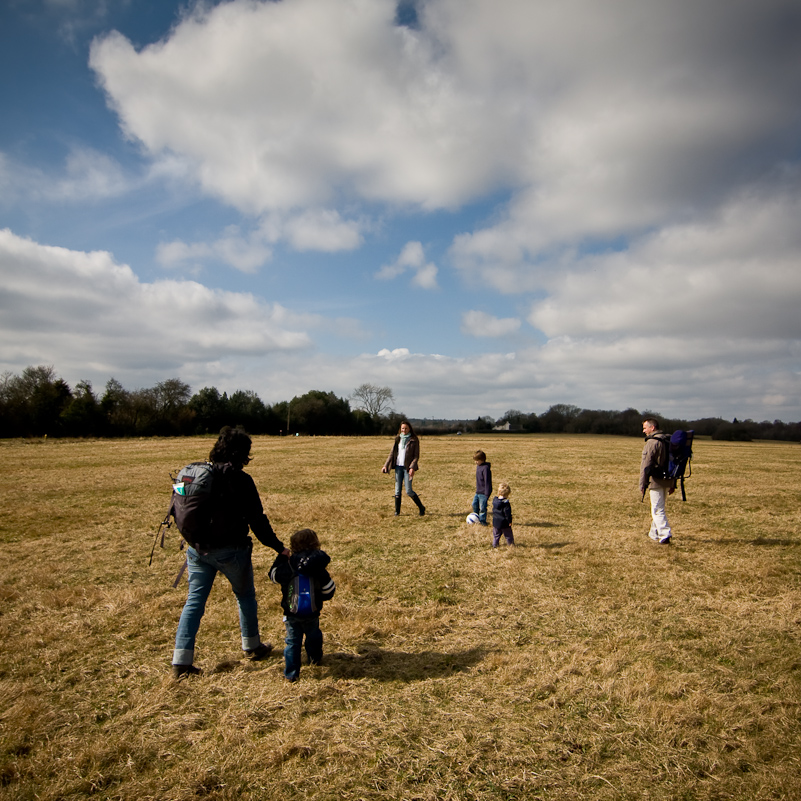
x=303, y=597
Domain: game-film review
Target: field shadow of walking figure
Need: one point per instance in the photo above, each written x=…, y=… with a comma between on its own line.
x=371, y=661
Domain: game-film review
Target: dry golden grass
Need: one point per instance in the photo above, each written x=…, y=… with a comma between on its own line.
x=588, y=662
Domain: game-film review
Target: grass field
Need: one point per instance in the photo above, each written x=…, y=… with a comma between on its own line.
x=588, y=662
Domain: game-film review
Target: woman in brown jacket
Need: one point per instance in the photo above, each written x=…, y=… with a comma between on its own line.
x=403, y=458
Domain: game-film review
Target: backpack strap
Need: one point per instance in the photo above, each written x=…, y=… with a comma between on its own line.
x=163, y=526
x=180, y=573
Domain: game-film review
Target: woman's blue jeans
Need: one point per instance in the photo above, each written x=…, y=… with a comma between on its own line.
x=403, y=479
x=296, y=628
x=235, y=564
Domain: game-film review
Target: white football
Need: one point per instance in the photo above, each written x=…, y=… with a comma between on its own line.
x=472, y=518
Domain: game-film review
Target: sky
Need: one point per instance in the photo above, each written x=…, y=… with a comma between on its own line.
x=484, y=206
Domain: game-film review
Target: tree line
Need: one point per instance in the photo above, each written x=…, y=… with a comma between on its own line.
x=38, y=403
x=565, y=419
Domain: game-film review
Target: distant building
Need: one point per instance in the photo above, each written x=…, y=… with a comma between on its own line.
x=507, y=426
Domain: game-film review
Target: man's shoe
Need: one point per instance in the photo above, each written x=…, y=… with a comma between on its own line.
x=665, y=540
x=261, y=651
x=185, y=670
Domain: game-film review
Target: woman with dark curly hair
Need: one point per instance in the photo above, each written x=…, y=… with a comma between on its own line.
x=403, y=459
x=226, y=547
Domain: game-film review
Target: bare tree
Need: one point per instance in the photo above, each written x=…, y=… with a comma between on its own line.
x=374, y=400
x=171, y=395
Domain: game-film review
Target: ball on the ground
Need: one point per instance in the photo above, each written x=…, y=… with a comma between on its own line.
x=472, y=518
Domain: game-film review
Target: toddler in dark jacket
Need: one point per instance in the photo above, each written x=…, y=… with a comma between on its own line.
x=502, y=516
x=305, y=586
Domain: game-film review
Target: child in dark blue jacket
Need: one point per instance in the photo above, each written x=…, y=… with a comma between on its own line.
x=483, y=486
x=502, y=516
x=305, y=586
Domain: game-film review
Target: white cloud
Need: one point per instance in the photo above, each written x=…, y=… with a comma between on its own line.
x=322, y=230
x=76, y=309
x=87, y=175
x=604, y=127
x=282, y=105
x=734, y=275
x=641, y=122
x=480, y=324
x=314, y=229
x=412, y=257
x=243, y=253
x=690, y=378
x=177, y=253
x=426, y=277
x=640, y=115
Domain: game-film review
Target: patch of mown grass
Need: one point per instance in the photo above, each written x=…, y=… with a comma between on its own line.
x=587, y=662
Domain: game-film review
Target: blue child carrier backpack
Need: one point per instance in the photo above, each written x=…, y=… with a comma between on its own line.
x=680, y=454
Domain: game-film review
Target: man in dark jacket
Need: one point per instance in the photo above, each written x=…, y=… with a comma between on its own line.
x=225, y=547
x=652, y=477
x=305, y=586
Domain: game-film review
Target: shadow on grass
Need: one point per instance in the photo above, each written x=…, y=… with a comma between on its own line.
x=524, y=546
x=532, y=524
x=768, y=541
x=763, y=541
x=371, y=661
